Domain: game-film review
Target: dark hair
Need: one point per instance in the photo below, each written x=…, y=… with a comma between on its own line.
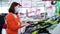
x=12, y=7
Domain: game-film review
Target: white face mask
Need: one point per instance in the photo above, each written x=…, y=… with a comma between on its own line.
x=17, y=9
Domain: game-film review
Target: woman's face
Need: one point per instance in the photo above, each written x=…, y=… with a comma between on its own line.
x=17, y=9
x=17, y=6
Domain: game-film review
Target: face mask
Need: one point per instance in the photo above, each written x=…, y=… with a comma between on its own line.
x=17, y=10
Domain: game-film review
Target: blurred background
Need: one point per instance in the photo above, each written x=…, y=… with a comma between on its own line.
x=35, y=11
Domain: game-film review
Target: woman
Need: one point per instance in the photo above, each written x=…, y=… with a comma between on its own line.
x=13, y=20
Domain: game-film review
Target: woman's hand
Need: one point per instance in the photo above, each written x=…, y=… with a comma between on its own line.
x=23, y=24
x=26, y=24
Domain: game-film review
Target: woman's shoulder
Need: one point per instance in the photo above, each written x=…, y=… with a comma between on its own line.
x=9, y=15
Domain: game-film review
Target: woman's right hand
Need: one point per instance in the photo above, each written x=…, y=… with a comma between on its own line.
x=21, y=25
x=26, y=24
